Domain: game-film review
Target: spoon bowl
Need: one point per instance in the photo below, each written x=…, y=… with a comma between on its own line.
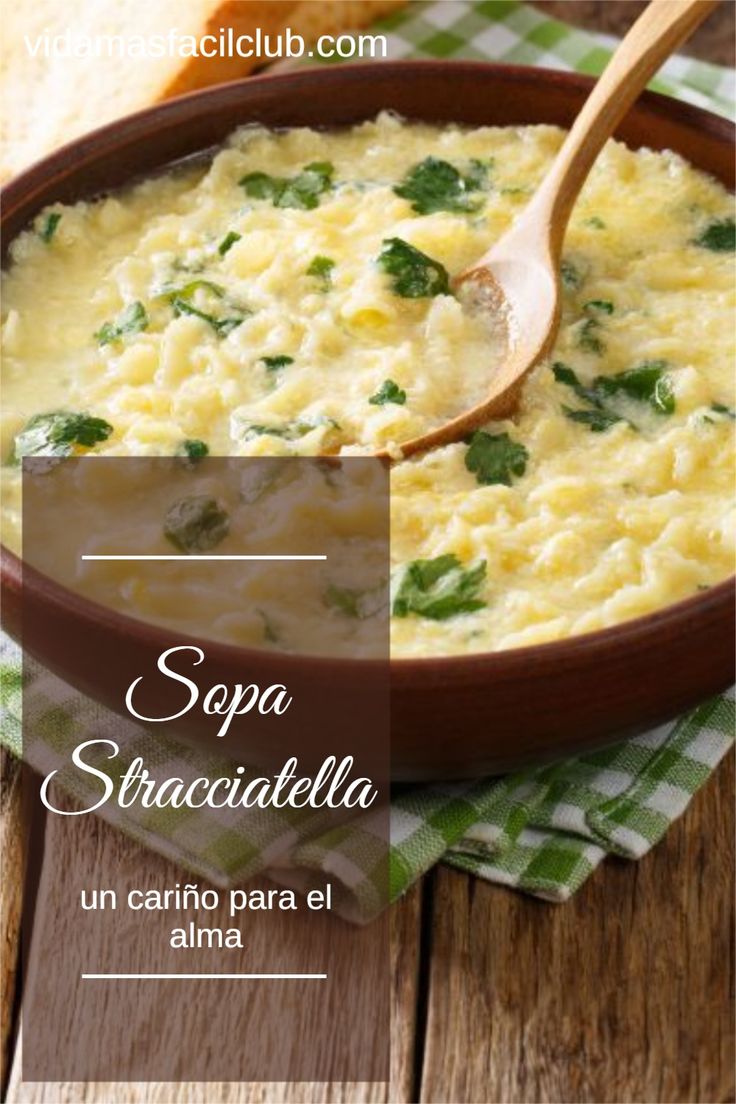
x=516, y=284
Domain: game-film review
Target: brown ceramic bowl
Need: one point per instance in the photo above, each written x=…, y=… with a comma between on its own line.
x=451, y=717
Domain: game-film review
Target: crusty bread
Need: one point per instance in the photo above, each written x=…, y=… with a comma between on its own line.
x=50, y=100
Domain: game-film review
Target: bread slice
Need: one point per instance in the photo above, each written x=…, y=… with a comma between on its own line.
x=50, y=99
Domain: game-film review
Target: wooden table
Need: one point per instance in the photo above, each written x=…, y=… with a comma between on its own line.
x=623, y=994
x=713, y=41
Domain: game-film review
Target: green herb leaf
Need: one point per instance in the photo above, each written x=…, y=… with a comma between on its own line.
x=588, y=338
x=132, y=320
x=260, y=185
x=358, y=604
x=221, y=326
x=194, y=448
x=274, y=363
x=605, y=306
x=196, y=523
x=565, y=375
x=477, y=175
x=56, y=434
x=437, y=589
x=597, y=420
x=321, y=267
x=388, y=392
x=181, y=302
x=290, y=431
x=435, y=185
x=495, y=458
x=186, y=291
x=302, y=191
x=415, y=275
x=49, y=225
x=719, y=236
x=646, y=383
x=228, y=242
x=570, y=274
x=596, y=222
x=721, y=408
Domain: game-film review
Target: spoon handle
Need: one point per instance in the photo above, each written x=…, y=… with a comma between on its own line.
x=660, y=29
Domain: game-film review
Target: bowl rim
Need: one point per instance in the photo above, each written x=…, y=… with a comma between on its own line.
x=126, y=128
x=625, y=634
x=404, y=670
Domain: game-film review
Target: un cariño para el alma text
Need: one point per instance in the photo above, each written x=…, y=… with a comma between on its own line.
x=186, y=897
x=332, y=786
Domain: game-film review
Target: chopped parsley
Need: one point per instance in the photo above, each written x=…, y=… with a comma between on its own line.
x=221, y=326
x=196, y=523
x=597, y=420
x=605, y=306
x=186, y=291
x=181, y=302
x=302, y=191
x=588, y=338
x=478, y=173
x=719, y=236
x=290, y=431
x=358, y=604
x=274, y=363
x=721, y=408
x=415, y=275
x=435, y=185
x=570, y=274
x=57, y=433
x=49, y=225
x=588, y=335
x=647, y=383
x=388, y=392
x=437, y=589
x=133, y=319
x=228, y=242
x=564, y=374
x=596, y=222
x=194, y=448
x=321, y=267
x=495, y=458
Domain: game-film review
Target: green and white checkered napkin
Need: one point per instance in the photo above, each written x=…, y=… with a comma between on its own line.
x=505, y=30
x=542, y=830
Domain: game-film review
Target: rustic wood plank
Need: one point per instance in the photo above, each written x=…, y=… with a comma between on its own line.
x=625, y=993
x=112, y=850
x=714, y=41
x=11, y=899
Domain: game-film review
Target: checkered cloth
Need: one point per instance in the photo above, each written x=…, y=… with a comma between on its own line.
x=505, y=30
x=542, y=830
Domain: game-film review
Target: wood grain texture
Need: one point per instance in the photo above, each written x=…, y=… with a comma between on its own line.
x=714, y=41
x=89, y=844
x=623, y=994
x=11, y=900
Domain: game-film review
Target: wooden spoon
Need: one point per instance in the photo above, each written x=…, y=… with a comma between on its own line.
x=518, y=280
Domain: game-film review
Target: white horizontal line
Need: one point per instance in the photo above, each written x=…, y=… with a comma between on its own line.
x=184, y=556
x=255, y=977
